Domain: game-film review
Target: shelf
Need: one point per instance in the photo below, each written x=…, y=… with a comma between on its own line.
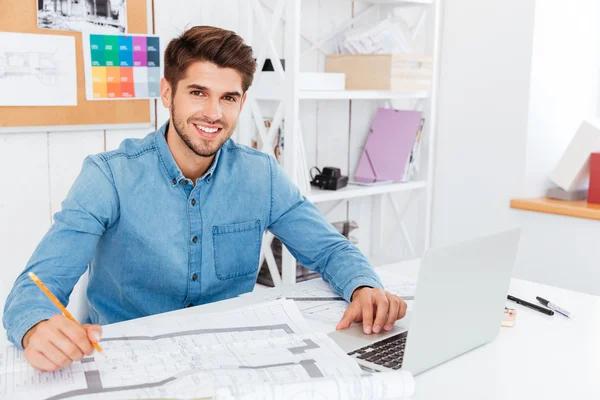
x=397, y=2
x=579, y=209
x=344, y=95
x=353, y=191
x=360, y=94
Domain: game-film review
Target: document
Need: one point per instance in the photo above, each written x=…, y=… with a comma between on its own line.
x=37, y=70
x=384, y=385
x=320, y=305
x=199, y=356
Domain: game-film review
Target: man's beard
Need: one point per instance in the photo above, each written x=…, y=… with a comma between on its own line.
x=202, y=151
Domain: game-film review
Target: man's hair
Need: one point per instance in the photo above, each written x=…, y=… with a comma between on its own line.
x=221, y=47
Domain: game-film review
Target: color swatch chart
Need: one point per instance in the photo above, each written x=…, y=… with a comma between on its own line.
x=122, y=67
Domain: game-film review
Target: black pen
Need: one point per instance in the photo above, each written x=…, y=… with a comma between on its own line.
x=530, y=305
x=554, y=307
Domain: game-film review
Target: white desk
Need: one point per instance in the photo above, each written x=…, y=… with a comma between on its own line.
x=541, y=357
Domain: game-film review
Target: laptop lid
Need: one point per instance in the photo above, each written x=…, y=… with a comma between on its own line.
x=460, y=298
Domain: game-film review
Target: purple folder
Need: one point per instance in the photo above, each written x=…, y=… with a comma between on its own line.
x=388, y=146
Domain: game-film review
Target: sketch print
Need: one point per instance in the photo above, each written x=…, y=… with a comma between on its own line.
x=94, y=16
x=37, y=70
x=17, y=64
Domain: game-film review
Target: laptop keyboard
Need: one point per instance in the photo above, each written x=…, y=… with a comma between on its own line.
x=388, y=353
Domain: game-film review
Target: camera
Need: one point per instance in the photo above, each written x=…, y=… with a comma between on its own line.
x=329, y=179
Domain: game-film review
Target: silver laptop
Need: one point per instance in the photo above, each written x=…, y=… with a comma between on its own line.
x=459, y=303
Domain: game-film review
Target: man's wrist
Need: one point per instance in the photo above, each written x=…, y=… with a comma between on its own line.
x=357, y=290
x=29, y=333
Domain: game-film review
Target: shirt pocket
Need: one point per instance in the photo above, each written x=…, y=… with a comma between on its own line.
x=236, y=249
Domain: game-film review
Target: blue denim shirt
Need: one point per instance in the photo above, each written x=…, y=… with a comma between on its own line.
x=154, y=242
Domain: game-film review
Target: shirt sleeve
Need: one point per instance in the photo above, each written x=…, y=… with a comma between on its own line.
x=313, y=241
x=62, y=256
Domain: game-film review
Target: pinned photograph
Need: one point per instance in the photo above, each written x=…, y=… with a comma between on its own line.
x=94, y=16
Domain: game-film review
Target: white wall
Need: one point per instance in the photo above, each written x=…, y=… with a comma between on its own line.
x=565, y=90
x=565, y=83
x=502, y=129
x=482, y=118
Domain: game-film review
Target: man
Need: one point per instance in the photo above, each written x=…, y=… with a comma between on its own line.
x=176, y=219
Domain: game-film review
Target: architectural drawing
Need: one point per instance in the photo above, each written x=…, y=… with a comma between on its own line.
x=44, y=66
x=318, y=303
x=37, y=70
x=187, y=357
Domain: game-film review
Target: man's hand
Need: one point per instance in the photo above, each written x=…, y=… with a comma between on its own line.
x=55, y=343
x=368, y=302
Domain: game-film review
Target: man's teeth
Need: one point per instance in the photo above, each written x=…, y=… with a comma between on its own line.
x=207, y=130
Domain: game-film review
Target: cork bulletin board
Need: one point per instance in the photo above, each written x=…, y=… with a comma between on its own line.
x=20, y=16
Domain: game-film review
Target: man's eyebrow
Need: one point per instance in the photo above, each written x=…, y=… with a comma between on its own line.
x=204, y=88
x=232, y=94
x=198, y=87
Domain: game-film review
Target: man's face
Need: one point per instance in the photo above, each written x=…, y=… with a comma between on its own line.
x=205, y=107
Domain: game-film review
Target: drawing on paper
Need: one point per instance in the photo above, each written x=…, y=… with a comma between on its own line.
x=184, y=358
x=16, y=64
x=37, y=70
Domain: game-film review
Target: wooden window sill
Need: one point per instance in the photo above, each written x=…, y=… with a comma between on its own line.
x=578, y=209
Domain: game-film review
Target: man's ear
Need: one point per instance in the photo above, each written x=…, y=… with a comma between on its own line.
x=165, y=93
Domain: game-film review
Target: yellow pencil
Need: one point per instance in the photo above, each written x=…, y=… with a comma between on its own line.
x=48, y=293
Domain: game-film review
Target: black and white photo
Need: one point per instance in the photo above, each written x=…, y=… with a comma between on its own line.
x=94, y=16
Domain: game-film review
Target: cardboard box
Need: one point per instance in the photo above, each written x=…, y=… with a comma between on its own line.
x=395, y=72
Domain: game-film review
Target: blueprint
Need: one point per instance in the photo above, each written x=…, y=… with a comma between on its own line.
x=384, y=385
x=320, y=305
x=193, y=356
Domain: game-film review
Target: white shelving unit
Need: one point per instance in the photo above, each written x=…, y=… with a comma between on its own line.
x=288, y=110
x=355, y=191
x=396, y=2
x=350, y=95
x=359, y=95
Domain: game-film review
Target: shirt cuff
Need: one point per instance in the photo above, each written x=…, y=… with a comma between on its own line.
x=360, y=281
x=16, y=332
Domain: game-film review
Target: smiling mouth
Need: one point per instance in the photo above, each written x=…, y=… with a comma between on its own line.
x=208, y=132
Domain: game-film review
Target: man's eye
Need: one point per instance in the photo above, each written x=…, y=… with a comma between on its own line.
x=196, y=93
x=229, y=98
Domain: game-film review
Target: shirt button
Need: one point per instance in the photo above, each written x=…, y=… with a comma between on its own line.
x=195, y=239
x=174, y=181
x=190, y=305
x=193, y=202
x=194, y=277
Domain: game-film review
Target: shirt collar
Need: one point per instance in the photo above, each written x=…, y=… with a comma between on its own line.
x=166, y=157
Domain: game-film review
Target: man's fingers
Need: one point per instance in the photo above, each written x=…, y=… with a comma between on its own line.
x=393, y=310
x=383, y=305
x=77, y=335
x=94, y=332
x=39, y=361
x=63, y=343
x=348, y=317
x=402, y=310
x=366, y=305
x=55, y=355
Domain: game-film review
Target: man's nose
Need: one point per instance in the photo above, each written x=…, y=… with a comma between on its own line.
x=213, y=110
